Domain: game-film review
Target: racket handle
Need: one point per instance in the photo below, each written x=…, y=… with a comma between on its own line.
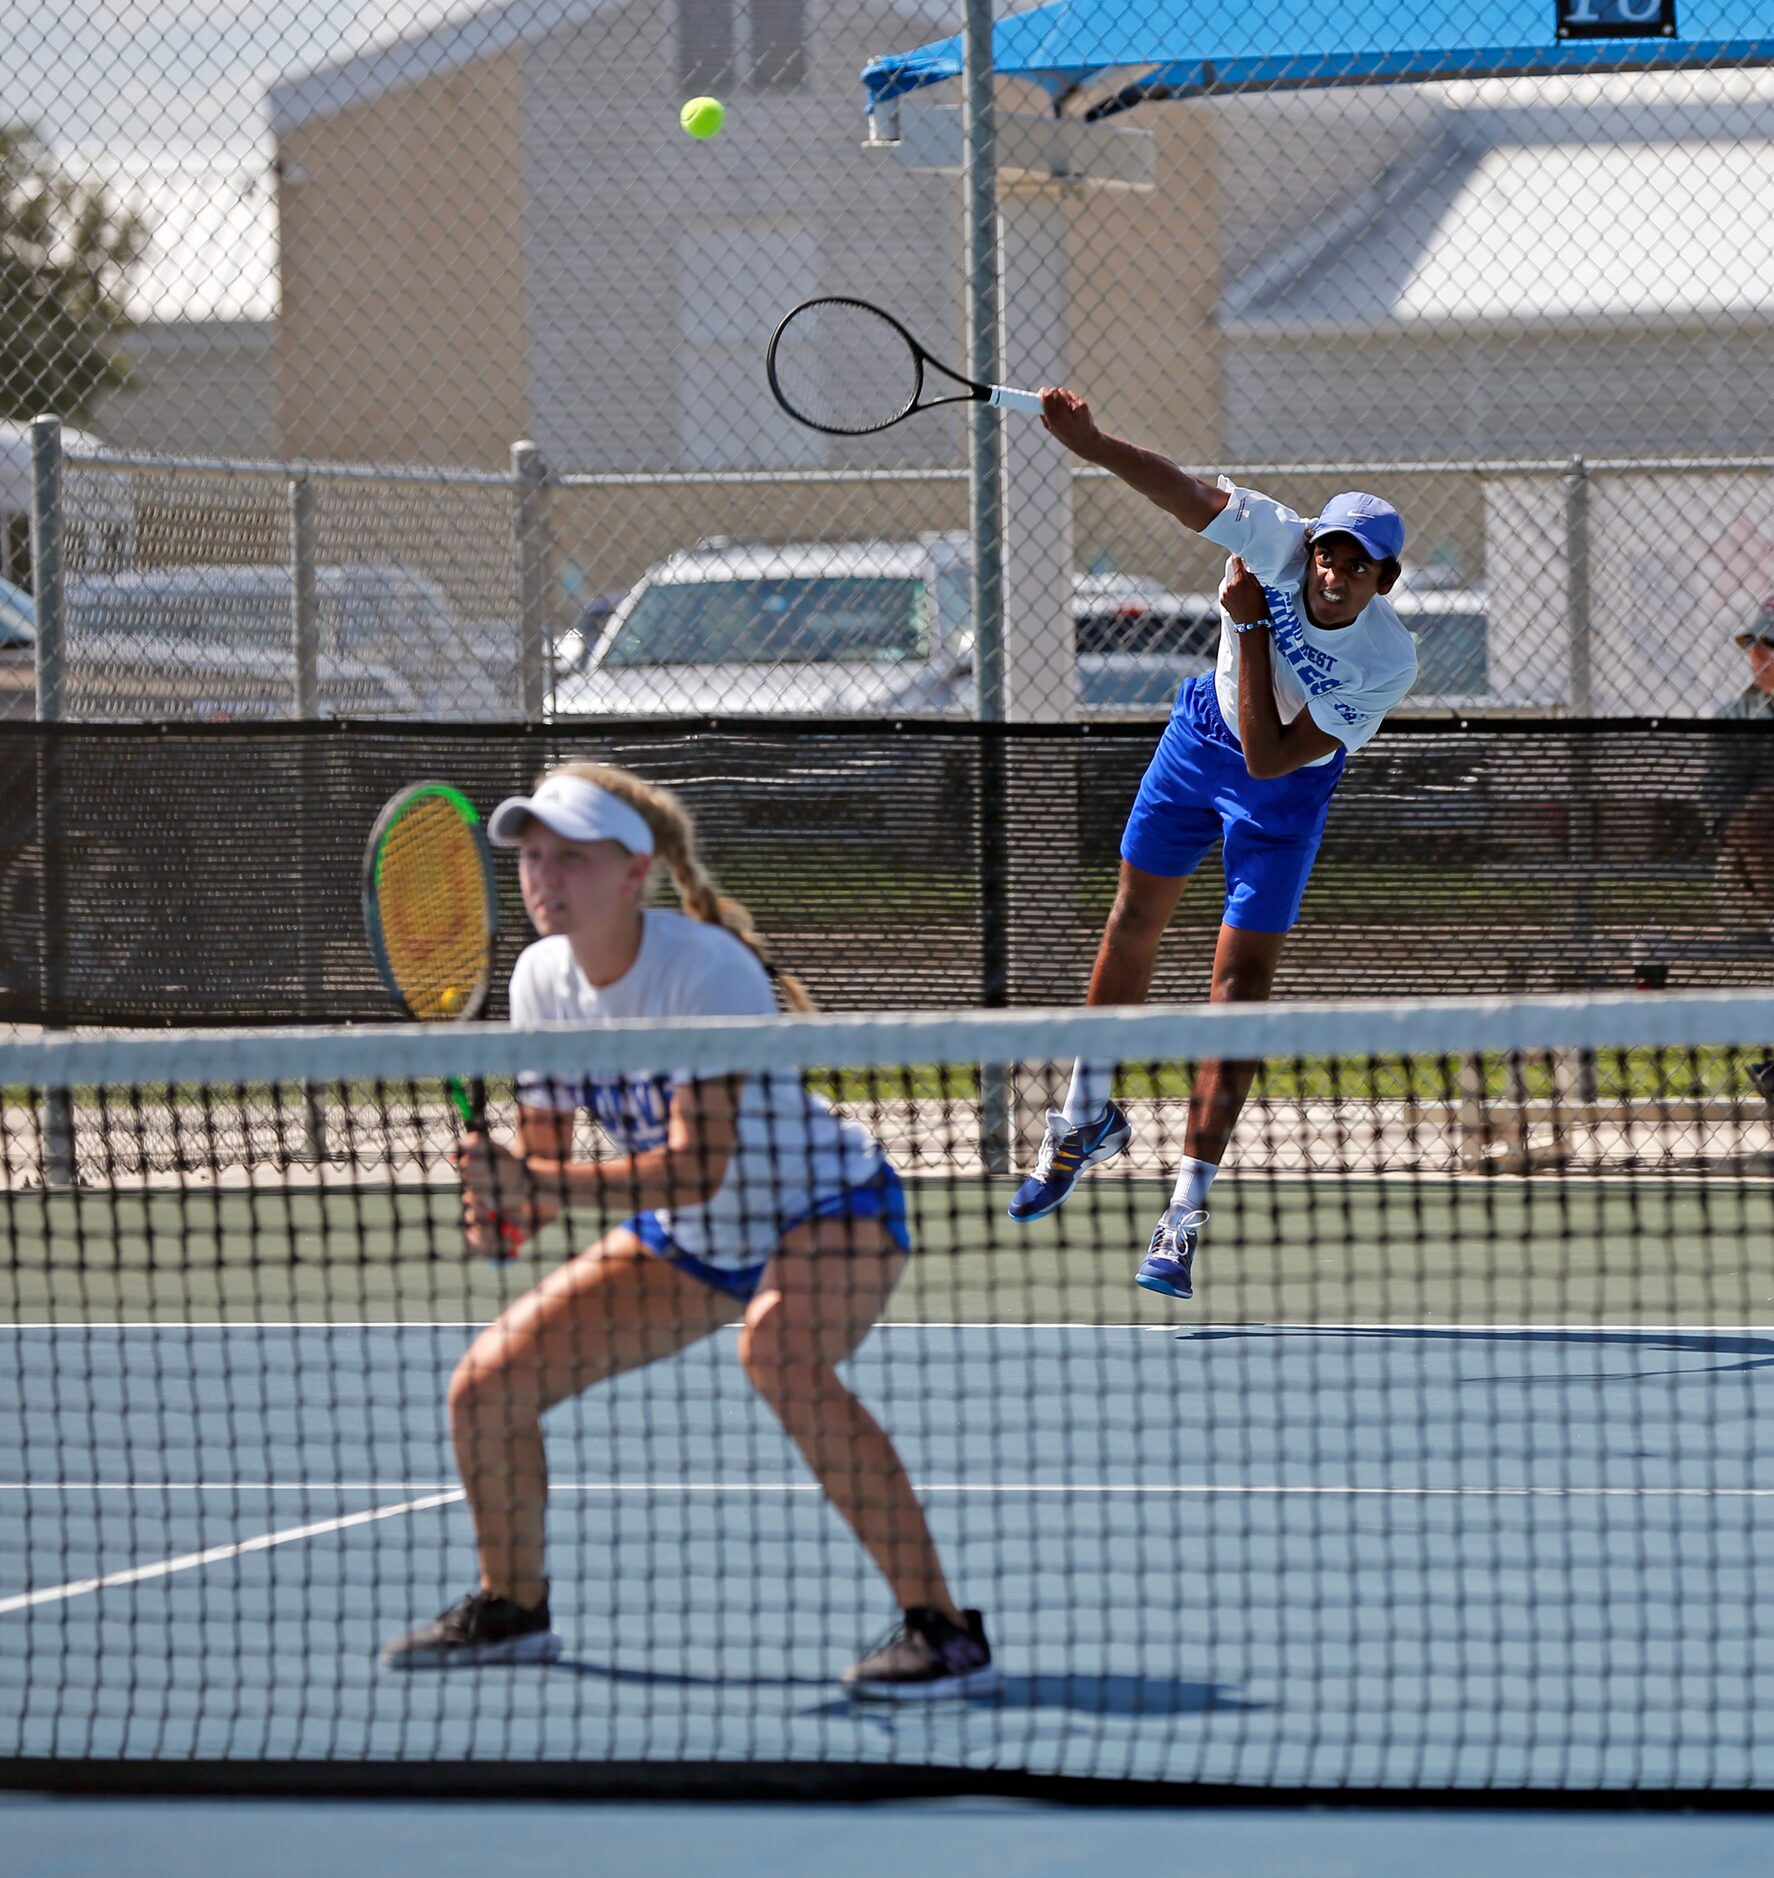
x=1003, y=398
x=471, y=1105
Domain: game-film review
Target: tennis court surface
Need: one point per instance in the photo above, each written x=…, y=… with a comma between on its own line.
x=1451, y=1481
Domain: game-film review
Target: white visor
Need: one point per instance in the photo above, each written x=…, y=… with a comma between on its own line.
x=575, y=809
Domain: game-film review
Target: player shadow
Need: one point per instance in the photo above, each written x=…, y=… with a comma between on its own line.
x=1754, y=1352
x=1132, y=1696
x=1129, y=1696
x=679, y=1678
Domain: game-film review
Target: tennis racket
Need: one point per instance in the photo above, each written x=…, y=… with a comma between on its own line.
x=845, y=367
x=431, y=911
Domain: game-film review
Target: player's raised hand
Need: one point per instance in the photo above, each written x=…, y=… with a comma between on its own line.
x=1068, y=417
x=1242, y=595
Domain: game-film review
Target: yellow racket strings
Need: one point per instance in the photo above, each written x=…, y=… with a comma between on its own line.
x=432, y=900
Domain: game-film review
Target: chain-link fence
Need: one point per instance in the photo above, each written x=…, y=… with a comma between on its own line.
x=228, y=590
x=297, y=287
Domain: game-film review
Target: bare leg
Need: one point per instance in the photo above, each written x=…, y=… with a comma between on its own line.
x=1128, y=950
x=1243, y=971
x=613, y=1308
x=819, y=1299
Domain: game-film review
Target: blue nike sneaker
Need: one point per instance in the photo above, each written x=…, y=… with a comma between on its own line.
x=1170, y=1259
x=1066, y=1150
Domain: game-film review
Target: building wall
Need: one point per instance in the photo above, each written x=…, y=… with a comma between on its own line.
x=403, y=335
x=1531, y=392
x=201, y=388
x=658, y=266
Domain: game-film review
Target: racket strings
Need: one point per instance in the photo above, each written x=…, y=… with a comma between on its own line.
x=431, y=896
x=846, y=368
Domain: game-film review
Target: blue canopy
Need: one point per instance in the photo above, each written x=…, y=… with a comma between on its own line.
x=1196, y=48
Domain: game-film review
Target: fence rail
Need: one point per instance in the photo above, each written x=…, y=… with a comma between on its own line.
x=220, y=587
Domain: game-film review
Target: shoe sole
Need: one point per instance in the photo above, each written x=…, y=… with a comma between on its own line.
x=1102, y=1154
x=538, y=1647
x=987, y=1681
x=1162, y=1285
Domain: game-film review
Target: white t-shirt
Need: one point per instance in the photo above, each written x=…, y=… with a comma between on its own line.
x=1348, y=677
x=792, y=1151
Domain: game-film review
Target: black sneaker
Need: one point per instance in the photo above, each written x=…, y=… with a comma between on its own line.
x=1762, y=1075
x=482, y=1629
x=927, y=1657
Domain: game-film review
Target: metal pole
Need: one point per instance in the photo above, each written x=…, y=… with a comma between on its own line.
x=46, y=563
x=1577, y=583
x=1577, y=637
x=305, y=619
x=984, y=319
x=528, y=477
x=305, y=637
x=47, y=530
x=986, y=523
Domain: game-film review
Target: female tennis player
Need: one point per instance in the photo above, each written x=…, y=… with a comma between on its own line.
x=742, y=1193
x=1311, y=659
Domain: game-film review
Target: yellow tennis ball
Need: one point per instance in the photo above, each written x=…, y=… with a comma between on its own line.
x=702, y=117
x=451, y=1000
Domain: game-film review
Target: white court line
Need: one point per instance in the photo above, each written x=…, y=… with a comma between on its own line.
x=757, y=1489
x=211, y=1555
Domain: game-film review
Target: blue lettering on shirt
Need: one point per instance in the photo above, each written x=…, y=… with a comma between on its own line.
x=634, y=1114
x=1311, y=666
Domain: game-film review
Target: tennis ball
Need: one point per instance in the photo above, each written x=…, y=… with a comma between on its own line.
x=702, y=117
x=451, y=999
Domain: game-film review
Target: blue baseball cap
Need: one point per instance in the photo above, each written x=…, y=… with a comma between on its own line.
x=1377, y=525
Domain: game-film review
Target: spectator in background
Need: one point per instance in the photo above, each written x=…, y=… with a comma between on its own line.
x=1742, y=785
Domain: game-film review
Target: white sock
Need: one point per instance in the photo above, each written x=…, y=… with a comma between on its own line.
x=1092, y=1086
x=1193, y=1180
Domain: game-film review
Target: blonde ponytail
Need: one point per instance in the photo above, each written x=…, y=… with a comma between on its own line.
x=674, y=845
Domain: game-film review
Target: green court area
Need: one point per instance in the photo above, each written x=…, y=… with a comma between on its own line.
x=1321, y=1249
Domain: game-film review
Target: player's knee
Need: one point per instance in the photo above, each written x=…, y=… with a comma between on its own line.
x=1242, y=981
x=479, y=1391
x=782, y=1365
x=1136, y=923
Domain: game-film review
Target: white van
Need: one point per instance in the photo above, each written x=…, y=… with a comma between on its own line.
x=216, y=643
x=852, y=629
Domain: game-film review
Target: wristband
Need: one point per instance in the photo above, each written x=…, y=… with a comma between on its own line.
x=1239, y=626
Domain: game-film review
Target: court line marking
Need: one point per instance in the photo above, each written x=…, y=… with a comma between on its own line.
x=431, y=1500
x=211, y=1555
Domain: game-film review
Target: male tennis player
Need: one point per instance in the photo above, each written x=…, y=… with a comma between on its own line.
x=1311, y=659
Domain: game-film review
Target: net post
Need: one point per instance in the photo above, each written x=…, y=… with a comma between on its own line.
x=528, y=478
x=47, y=574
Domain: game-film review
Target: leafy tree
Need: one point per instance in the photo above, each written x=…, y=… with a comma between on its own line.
x=66, y=250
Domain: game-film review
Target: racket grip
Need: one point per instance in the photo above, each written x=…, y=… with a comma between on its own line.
x=511, y=1242
x=1003, y=398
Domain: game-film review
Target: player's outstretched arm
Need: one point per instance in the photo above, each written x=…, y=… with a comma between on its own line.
x=1193, y=502
x=1271, y=748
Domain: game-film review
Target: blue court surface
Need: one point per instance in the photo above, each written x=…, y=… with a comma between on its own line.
x=1325, y=1556
x=943, y=1839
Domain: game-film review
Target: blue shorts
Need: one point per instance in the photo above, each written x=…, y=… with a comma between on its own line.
x=882, y=1198
x=1196, y=790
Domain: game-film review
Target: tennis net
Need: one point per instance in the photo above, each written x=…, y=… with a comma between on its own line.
x=1449, y=1481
